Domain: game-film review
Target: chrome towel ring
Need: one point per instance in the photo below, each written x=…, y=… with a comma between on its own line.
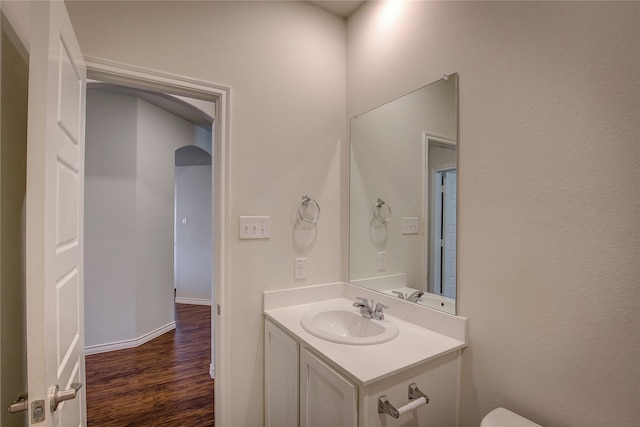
x=381, y=211
x=304, y=215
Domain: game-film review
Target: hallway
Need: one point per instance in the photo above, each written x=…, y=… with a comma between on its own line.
x=164, y=382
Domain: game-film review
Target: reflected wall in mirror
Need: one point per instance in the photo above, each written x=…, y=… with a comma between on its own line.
x=403, y=196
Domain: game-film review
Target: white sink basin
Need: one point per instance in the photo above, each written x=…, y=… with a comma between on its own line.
x=348, y=326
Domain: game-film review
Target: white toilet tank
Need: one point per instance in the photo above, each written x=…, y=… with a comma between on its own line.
x=501, y=417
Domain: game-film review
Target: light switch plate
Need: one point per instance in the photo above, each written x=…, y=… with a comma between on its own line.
x=382, y=261
x=409, y=225
x=299, y=268
x=255, y=227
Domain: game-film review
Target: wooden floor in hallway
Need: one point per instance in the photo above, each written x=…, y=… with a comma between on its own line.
x=164, y=382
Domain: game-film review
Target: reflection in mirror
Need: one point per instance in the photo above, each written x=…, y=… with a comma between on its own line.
x=403, y=196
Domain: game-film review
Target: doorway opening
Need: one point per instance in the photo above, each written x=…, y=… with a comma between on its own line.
x=219, y=95
x=193, y=250
x=445, y=227
x=131, y=142
x=139, y=145
x=440, y=215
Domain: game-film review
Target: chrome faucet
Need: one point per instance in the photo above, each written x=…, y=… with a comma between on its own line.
x=363, y=305
x=367, y=311
x=415, y=297
x=399, y=294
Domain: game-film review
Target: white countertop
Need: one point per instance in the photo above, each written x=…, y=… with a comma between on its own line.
x=366, y=364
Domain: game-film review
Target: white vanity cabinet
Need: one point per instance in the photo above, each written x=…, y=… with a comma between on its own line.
x=301, y=389
x=307, y=390
x=280, y=377
x=327, y=398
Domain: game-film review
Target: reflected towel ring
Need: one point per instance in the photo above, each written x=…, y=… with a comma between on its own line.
x=302, y=210
x=381, y=212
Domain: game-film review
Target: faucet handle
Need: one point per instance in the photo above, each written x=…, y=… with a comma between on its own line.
x=380, y=306
x=378, y=313
x=363, y=300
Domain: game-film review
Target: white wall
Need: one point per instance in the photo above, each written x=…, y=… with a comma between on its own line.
x=159, y=135
x=110, y=218
x=193, y=240
x=548, y=182
x=285, y=63
x=129, y=207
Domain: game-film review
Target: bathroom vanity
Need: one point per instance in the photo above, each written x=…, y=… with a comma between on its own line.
x=313, y=381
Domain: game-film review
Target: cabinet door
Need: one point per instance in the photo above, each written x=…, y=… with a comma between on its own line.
x=327, y=399
x=280, y=377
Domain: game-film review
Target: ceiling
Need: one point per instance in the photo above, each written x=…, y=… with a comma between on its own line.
x=340, y=8
x=170, y=103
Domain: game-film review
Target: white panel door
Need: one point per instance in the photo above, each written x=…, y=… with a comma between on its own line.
x=449, y=233
x=327, y=399
x=55, y=186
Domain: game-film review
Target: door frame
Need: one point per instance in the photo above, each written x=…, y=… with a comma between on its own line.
x=428, y=187
x=159, y=81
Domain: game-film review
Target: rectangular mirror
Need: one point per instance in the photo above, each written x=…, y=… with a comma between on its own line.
x=403, y=196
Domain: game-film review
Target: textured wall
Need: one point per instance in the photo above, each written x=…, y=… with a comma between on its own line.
x=285, y=62
x=549, y=190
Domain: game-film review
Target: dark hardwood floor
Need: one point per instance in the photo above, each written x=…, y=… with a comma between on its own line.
x=164, y=382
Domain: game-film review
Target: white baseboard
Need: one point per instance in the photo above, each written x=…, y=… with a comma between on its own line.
x=120, y=345
x=193, y=301
x=212, y=371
